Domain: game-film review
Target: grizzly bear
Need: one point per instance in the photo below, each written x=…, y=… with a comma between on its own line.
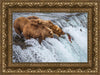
x=58, y=31
x=37, y=31
x=19, y=24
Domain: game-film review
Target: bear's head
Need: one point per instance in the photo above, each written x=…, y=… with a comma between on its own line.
x=59, y=30
x=48, y=32
x=55, y=28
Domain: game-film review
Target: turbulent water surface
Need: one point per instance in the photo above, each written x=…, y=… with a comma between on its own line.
x=57, y=49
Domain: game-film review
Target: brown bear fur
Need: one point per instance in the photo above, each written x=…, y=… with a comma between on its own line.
x=58, y=31
x=19, y=24
x=39, y=31
x=33, y=17
x=34, y=21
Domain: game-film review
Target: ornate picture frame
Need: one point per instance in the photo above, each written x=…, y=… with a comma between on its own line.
x=8, y=7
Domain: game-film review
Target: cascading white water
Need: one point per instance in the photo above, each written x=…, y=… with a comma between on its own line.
x=55, y=49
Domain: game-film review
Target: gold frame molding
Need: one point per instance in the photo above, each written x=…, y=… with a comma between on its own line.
x=9, y=7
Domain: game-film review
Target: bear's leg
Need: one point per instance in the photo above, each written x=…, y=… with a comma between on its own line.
x=18, y=32
x=43, y=37
x=40, y=39
x=26, y=36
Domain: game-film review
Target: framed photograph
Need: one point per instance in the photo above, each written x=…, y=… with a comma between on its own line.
x=49, y=37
